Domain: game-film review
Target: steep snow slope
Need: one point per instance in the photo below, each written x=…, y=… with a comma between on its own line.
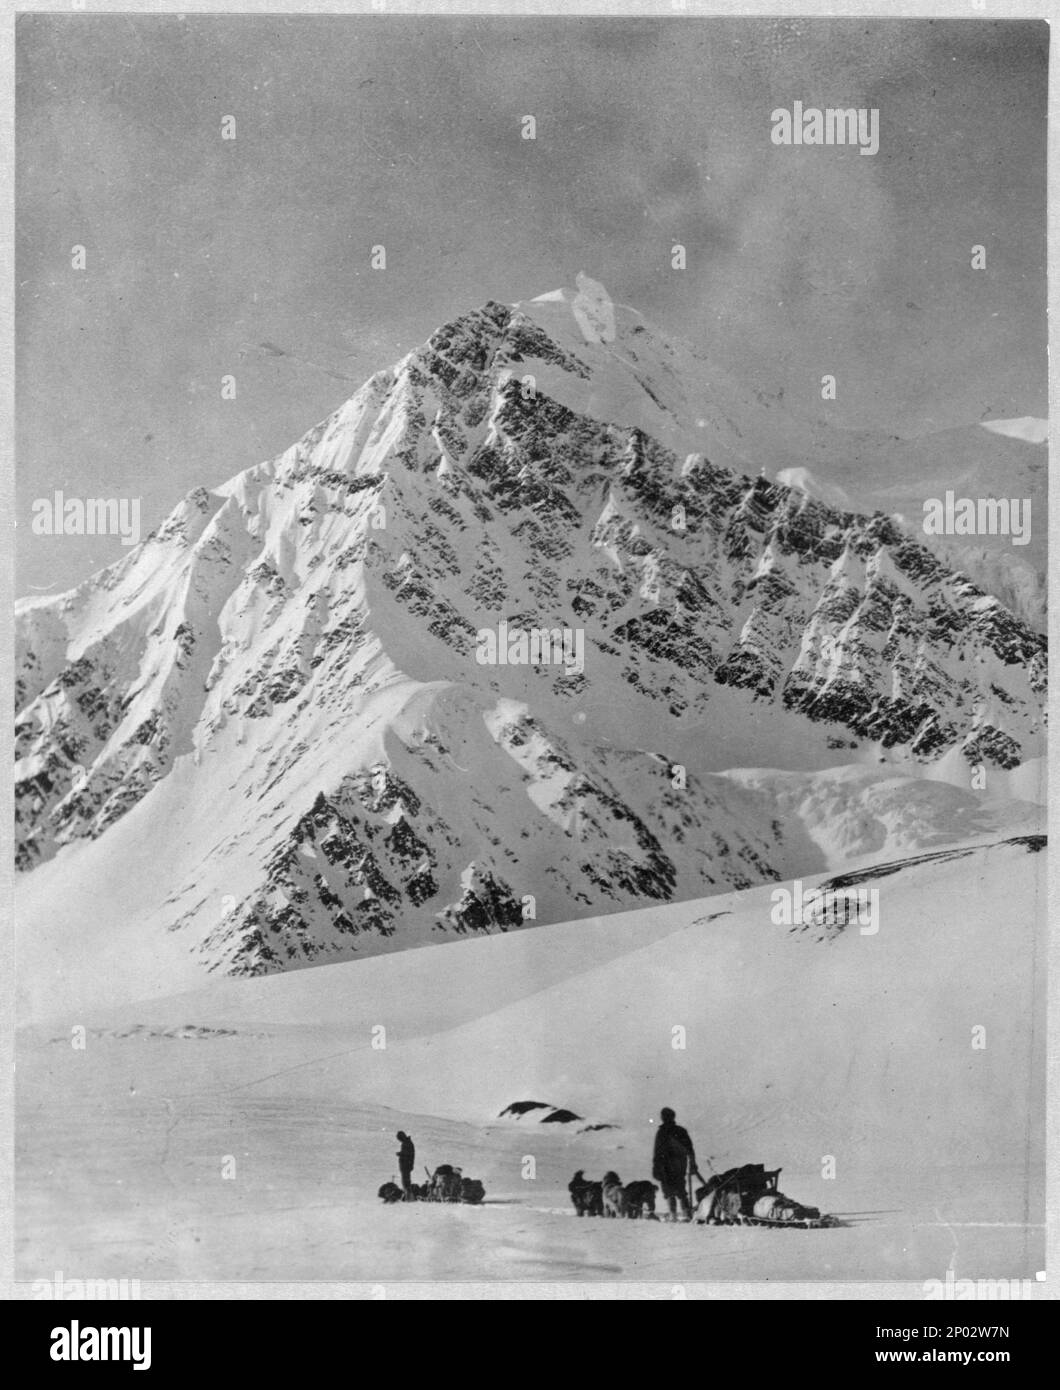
x=92, y=929
x=276, y=701
x=864, y=1048
x=689, y=401
x=92, y=926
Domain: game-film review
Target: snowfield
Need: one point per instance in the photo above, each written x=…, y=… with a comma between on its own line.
x=911, y=1061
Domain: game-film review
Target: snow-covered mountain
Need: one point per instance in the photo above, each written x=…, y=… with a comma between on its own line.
x=267, y=734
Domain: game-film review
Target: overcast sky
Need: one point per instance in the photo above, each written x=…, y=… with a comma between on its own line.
x=364, y=130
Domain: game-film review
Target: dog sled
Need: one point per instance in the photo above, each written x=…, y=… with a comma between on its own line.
x=749, y=1196
x=445, y=1184
x=448, y=1184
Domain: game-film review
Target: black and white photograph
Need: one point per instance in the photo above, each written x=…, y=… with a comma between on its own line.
x=530, y=653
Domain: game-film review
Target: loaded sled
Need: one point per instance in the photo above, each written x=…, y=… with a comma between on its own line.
x=445, y=1184
x=448, y=1184
x=749, y=1196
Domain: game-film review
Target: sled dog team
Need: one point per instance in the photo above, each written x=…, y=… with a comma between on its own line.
x=609, y=1198
x=746, y=1195
x=673, y=1167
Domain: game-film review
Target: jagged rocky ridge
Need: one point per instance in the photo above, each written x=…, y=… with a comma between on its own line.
x=305, y=635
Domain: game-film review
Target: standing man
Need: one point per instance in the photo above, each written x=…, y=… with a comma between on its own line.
x=673, y=1162
x=406, y=1157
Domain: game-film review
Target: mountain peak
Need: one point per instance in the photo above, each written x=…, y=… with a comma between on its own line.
x=294, y=669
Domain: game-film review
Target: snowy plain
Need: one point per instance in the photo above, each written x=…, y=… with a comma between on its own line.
x=240, y=1131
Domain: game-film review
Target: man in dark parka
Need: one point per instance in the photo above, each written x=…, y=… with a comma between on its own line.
x=673, y=1161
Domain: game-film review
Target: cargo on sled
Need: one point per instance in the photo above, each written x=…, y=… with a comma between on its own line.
x=749, y=1196
x=445, y=1184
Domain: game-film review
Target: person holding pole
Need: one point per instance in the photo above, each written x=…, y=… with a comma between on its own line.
x=674, y=1163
